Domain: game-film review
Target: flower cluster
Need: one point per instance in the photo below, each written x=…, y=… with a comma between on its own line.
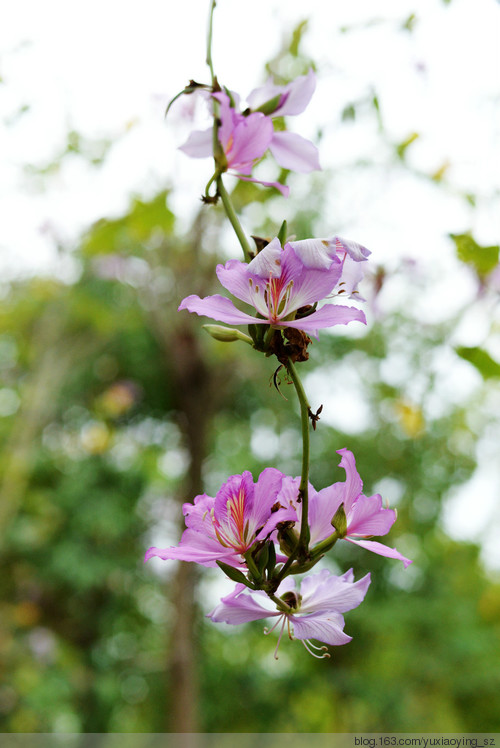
x=249, y=526
x=261, y=533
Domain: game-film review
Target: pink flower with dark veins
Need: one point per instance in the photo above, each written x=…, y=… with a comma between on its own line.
x=314, y=611
x=245, y=137
x=278, y=282
x=224, y=528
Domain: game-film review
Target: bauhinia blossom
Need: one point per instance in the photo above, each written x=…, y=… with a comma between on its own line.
x=280, y=282
x=314, y=612
x=365, y=515
x=224, y=528
x=245, y=137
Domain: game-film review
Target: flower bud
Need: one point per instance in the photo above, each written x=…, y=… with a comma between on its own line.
x=227, y=334
x=339, y=522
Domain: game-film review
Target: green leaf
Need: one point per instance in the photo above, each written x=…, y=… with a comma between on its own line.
x=481, y=360
x=235, y=574
x=483, y=259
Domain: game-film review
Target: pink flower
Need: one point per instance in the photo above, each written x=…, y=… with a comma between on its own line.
x=365, y=515
x=245, y=138
x=225, y=527
x=313, y=613
x=278, y=282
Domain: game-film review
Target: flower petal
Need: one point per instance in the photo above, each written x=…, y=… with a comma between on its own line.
x=294, y=152
x=369, y=517
x=199, y=144
x=315, y=253
x=325, y=627
x=285, y=191
x=239, y=607
x=195, y=546
x=322, y=507
x=381, y=549
x=353, y=484
x=328, y=316
x=266, y=492
x=297, y=95
x=325, y=591
x=267, y=263
x=356, y=251
x=220, y=308
x=251, y=138
x=234, y=502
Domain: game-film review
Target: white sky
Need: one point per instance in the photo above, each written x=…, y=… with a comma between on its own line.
x=106, y=68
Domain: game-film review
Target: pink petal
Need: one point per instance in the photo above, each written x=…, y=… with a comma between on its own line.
x=198, y=548
x=235, y=497
x=325, y=627
x=353, y=484
x=319, y=254
x=267, y=264
x=297, y=95
x=328, y=316
x=322, y=508
x=294, y=152
x=285, y=191
x=381, y=549
x=250, y=140
x=199, y=144
x=239, y=607
x=309, y=285
x=219, y=308
x=369, y=517
x=325, y=591
x=356, y=251
x=235, y=277
x=266, y=492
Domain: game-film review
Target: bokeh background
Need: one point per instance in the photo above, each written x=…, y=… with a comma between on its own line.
x=115, y=409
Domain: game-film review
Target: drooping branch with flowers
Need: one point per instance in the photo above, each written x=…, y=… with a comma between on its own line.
x=261, y=533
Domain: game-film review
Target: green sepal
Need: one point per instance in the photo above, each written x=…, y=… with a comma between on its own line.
x=235, y=574
x=339, y=522
x=270, y=106
x=263, y=557
x=288, y=539
x=282, y=234
x=271, y=562
x=257, y=333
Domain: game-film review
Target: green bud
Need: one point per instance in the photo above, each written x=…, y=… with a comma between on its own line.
x=227, y=334
x=339, y=522
x=235, y=574
x=282, y=234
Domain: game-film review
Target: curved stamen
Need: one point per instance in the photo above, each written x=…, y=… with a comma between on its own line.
x=308, y=644
x=268, y=631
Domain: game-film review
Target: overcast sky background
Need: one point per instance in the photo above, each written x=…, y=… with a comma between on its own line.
x=106, y=69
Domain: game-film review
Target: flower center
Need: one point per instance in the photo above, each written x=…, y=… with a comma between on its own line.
x=233, y=531
x=277, y=297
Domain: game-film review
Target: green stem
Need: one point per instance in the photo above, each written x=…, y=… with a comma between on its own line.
x=213, y=3
x=234, y=220
x=304, y=536
x=280, y=603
